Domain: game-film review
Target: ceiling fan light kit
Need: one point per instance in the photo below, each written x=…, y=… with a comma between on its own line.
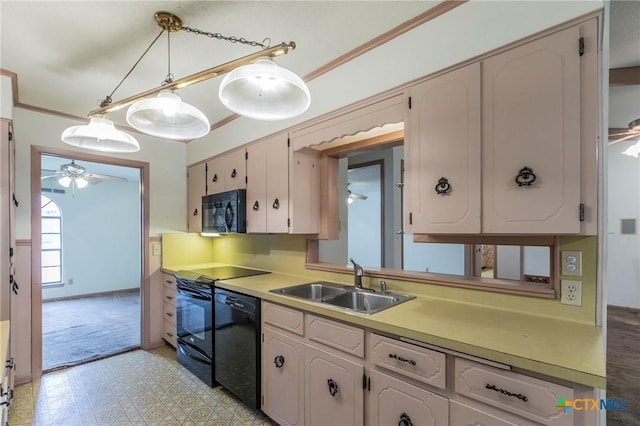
x=255, y=87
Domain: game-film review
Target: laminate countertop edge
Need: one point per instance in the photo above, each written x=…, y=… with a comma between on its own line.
x=564, y=350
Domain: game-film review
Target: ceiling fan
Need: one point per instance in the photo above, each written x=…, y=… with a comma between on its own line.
x=353, y=196
x=76, y=176
x=619, y=135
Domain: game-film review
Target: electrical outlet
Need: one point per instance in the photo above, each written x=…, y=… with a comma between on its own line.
x=572, y=263
x=571, y=292
x=157, y=250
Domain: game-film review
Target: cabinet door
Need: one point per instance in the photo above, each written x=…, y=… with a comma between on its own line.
x=282, y=377
x=334, y=394
x=215, y=175
x=257, y=187
x=394, y=401
x=466, y=415
x=235, y=169
x=304, y=191
x=277, y=177
x=442, y=157
x=531, y=119
x=196, y=189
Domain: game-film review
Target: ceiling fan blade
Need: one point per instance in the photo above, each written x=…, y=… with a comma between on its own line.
x=105, y=177
x=49, y=176
x=624, y=138
x=92, y=179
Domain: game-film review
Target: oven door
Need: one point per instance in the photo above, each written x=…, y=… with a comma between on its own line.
x=194, y=311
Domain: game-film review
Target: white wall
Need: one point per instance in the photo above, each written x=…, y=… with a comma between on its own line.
x=100, y=239
x=365, y=220
x=623, y=252
x=167, y=159
x=6, y=97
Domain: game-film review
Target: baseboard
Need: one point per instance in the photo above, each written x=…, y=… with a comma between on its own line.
x=103, y=293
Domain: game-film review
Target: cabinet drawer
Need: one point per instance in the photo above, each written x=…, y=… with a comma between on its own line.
x=169, y=312
x=465, y=415
x=344, y=337
x=169, y=294
x=285, y=318
x=168, y=279
x=169, y=333
x=529, y=397
x=410, y=360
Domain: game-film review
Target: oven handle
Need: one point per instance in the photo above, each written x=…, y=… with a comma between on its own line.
x=194, y=294
x=196, y=357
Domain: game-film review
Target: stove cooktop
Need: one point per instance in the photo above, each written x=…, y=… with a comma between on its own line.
x=220, y=273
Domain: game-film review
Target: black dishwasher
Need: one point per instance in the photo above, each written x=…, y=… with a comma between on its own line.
x=237, y=345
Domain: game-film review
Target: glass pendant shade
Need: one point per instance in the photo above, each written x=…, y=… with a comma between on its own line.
x=166, y=116
x=81, y=182
x=100, y=135
x=65, y=181
x=264, y=91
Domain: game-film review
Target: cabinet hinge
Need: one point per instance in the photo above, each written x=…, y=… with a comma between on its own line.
x=246, y=155
x=263, y=340
x=10, y=251
x=364, y=381
x=288, y=223
x=10, y=135
x=246, y=179
x=581, y=45
x=410, y=218
x=288, y=141
x=581, y=212
x=409, y=102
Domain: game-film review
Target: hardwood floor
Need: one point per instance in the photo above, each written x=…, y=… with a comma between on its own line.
x=623, y=364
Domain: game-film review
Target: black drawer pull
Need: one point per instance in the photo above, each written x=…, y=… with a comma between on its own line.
x=401, y=359
x=405, y=420
x=333, y=387
x=169, y=334
x=256, y=206
x=526, y=177
x=506, y=392
x=234, y=173
x=215, y=177
x=276, y=204
x=278, y=361
x=195, y=212
x=169, y=297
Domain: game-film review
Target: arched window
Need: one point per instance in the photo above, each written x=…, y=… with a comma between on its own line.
x=51, y=237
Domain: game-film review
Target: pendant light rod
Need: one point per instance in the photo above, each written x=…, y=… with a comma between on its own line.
x=271, y=52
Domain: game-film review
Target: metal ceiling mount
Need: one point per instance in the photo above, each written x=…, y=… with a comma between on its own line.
x=168, y=21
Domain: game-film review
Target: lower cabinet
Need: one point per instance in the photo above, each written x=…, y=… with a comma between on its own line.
x=465, y=415
x=333, y=389
x=169, y=333
x=393, y=401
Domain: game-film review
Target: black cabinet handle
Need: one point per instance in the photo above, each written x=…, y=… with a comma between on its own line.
x=278, y=361
x=443, y=187
x=215, y=177
x=526, y=177
x=506, y=392
x=276, y=204
x=405, y=420
x=256, y=206
x=401, y=359
x=169, y=314
x=169, y=334
x=195, y=212
x=169, y=297
x=333, y=387
x=233, y=173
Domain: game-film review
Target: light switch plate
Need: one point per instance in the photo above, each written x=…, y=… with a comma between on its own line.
x=157, y=251
x=571, y=263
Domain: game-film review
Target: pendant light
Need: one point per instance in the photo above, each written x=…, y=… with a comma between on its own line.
x=100, y=135
x=264, y=91
x=167, y=116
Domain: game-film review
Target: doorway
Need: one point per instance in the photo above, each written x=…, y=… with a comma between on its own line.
x=89, y=228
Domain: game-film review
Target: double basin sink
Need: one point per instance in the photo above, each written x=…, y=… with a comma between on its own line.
x=359, y=300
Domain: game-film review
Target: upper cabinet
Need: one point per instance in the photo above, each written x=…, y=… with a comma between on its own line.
x=196, y=189
x=531, y=137
x=283, y=188
x=227, y=171
x=495, y=147
x=442, y=154
x=268, y=185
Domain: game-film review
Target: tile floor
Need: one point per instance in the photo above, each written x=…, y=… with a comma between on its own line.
x=134, y=388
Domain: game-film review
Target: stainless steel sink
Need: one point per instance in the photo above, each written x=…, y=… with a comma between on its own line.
x=313, y=291
x=365, y=302
x=347, y=297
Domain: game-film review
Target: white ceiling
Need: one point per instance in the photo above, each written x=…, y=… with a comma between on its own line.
x=68, y=55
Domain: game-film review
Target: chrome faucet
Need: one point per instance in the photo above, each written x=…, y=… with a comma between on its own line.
x=358, y=272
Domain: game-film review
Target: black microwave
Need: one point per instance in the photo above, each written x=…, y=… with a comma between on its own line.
x=225, y=212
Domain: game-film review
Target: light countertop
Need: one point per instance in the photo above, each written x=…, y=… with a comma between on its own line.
x=563, y=349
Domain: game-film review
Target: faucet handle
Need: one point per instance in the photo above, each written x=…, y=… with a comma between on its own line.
x=383, y=287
